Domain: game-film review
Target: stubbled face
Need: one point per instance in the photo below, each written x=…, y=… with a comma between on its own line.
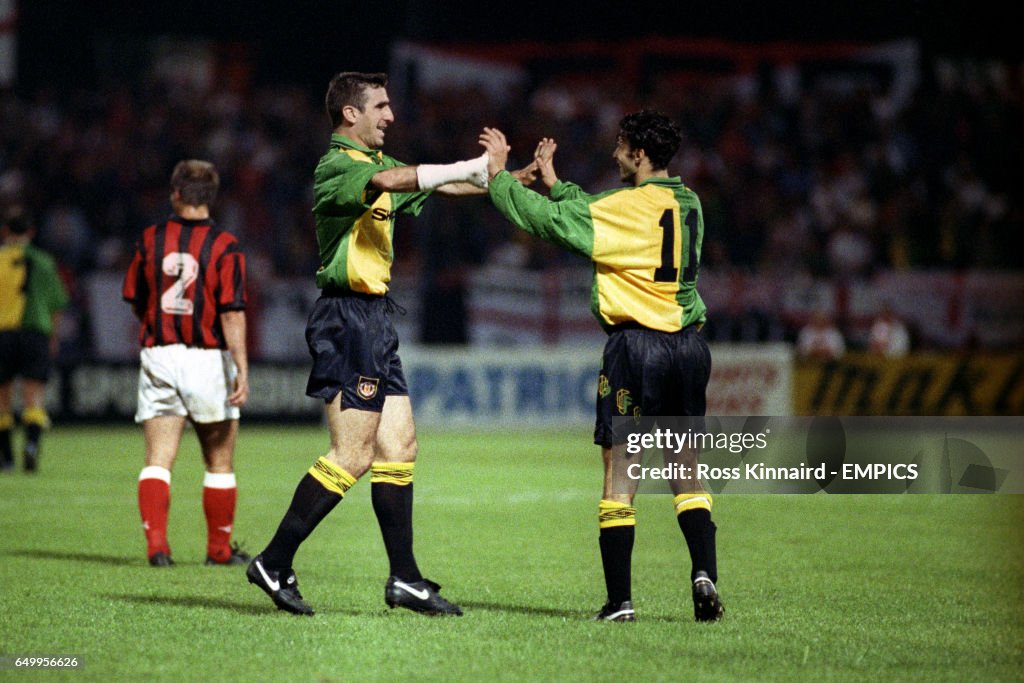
x=626, y=159
x=375, y=117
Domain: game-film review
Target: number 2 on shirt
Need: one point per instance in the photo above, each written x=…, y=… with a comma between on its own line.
x=666, y=272
x=184, y=267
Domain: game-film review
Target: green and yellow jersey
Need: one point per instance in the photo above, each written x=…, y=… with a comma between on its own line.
x=355, y=223
x=644, y=241
x=31, y=290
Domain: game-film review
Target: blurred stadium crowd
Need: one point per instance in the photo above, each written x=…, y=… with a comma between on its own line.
x=837, y=182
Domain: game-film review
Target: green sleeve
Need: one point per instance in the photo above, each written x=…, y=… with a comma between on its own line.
x=409, y=202
x=405, y=202
x=563, y=190
x=53, y=292
x=342, y=185
x=565, y=223
x=59, y=299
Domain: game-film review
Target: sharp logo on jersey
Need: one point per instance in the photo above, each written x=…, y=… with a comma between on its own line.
x=367, y=387
x=380, y=214
x=603, y=387
x=623, y=400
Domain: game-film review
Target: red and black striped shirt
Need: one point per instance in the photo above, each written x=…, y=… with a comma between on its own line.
x=183, y=275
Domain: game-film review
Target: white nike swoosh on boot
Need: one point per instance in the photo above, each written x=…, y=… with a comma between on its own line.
x=274, y=585
x=618, y=614
x=422, y=593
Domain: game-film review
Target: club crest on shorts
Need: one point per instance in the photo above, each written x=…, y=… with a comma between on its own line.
x=623, y=400
x=367, y=387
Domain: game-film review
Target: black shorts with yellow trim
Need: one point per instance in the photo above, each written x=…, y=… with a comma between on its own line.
x=646, y=373
x=24, y=353
x=354, y=347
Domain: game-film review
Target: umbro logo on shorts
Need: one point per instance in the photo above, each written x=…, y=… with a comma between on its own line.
x=367, y=387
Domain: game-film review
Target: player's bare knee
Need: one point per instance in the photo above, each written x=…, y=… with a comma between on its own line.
x=355, y=461
x=220, y=461
x=686, y=457
x=397, y=448
x=410, y=450
x=160, y=458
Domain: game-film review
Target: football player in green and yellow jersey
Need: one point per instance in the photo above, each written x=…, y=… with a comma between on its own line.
x=644, y=241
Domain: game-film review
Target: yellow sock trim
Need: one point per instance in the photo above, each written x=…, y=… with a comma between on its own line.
x=36, y=416
x=610, y=513
x=6, y=421
x=397, y=473
x=692, y=501
x=332, y=477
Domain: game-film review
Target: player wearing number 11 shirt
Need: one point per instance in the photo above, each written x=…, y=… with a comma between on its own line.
x=645, y=241
x=186, y=284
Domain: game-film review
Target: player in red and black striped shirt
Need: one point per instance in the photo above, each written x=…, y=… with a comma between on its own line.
x=186, y=283
x=185, y=273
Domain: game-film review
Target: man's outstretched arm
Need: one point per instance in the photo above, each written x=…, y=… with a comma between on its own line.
x=425, y=177
x=567, y=224
x=525, y=176
x=460, y=179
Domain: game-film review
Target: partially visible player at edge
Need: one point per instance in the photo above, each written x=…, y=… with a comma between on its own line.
x=645, y=242
x=186, y=284
x=32, y=297
x=356, y=371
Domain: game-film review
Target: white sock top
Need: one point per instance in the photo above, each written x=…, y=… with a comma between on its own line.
x=155, y=472
x=219, y=480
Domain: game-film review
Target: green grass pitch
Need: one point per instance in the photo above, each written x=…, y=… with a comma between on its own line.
x=816, y=587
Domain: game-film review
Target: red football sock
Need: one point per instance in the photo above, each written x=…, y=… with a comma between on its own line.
x=154, y=503
x=219, y=497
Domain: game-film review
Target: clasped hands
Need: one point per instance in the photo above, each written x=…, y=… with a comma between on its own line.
x=494, y=141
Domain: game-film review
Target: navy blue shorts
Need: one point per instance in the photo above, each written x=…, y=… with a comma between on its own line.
x=646, y=373
x=355, y=351
x=24, y=353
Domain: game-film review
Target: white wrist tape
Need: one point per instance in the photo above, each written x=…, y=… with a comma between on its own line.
x=433, y=176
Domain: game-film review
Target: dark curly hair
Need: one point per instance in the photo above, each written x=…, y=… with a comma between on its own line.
x=653, y=132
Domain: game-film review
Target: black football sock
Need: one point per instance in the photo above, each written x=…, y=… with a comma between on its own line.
x=33, y=435
x=35, y=421
x=617, y=522
x=317, y=494
x=693, y=512
x=6, y=450
x=392, y=494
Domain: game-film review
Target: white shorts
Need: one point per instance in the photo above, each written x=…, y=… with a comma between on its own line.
x=184, y=381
